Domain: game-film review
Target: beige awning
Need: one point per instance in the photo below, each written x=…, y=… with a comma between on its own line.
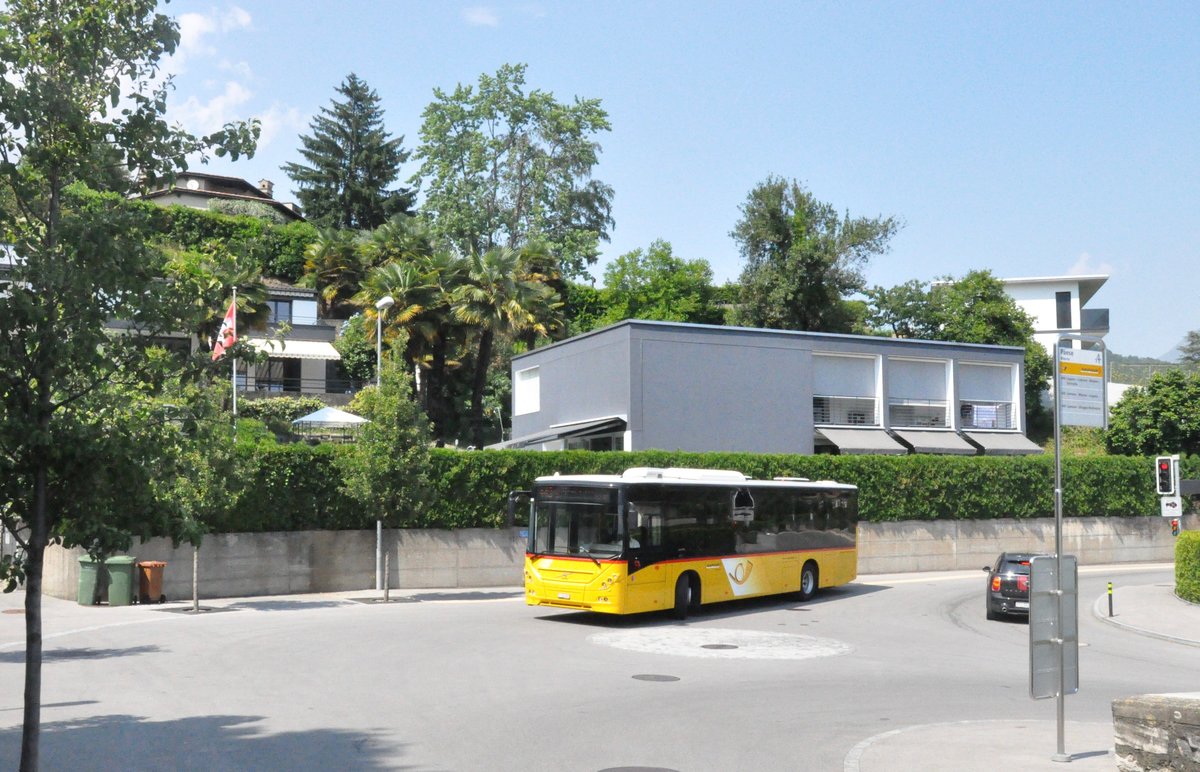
x=295, y=349
x=862, y=441
x=1004, y=443
x=941, y=441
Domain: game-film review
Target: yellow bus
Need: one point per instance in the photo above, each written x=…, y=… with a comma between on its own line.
x=656, y=539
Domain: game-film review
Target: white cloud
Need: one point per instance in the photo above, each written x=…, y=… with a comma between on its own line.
x=1085, y=267
x=481, y=16
x=196, y=30
x=280, y=121
x=203, y=117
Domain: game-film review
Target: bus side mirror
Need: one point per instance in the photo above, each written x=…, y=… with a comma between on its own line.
x=513, y=498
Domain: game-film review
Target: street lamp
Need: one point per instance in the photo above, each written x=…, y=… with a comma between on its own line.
x=381, y=305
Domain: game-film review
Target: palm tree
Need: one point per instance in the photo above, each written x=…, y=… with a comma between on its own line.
x=421, y=287
x=335, y=265
x=505, y=295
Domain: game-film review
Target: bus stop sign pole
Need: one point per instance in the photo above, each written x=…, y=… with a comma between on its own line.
x=1080, y=399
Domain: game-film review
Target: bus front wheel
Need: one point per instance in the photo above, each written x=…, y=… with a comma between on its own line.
x=687, y=596
x=808, y=581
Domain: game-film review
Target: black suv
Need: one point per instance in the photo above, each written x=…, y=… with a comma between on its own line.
x=1008, y=585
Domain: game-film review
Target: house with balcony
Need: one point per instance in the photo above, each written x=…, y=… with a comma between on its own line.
x=1058, y=304
x=298, y=343
x=302, y=360
x=640, y=385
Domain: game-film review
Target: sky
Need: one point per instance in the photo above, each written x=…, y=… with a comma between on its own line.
x=1026, y=138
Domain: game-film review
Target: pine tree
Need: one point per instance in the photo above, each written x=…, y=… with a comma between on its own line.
x=352, y=161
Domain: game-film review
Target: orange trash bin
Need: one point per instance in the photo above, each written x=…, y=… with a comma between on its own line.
x=150, y=581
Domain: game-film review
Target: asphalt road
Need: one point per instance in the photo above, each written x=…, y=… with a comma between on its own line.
x=479, y=681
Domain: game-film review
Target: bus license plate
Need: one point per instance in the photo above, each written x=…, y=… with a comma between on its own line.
x=564, y=596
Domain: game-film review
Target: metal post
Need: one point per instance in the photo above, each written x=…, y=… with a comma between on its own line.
x=381, y=305
x=1061, y=699
x=195, y=579
x=387, y=560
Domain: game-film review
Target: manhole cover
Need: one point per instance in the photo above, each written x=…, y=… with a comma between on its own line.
x=718, y=646
x=13, y=611
x=653, y=677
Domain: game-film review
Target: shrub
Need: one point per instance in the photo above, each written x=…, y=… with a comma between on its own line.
x=297, y=487
x=1187, y=566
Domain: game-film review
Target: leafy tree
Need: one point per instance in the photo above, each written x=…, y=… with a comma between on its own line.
x=973, y=309
x=1161, y=417
x=77, y=456
x=802, y=258
x=655, y=284
x=388, y=469
x=357, y=349
x=352, y=161
x=505, y=167
x=583, y=308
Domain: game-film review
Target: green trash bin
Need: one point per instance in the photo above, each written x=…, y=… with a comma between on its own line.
x=88, y=574
x=121, y=580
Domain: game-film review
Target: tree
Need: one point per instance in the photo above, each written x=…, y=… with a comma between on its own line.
x=352, y=161
x=802, y=258
x=655, y=284
x=1162, y=417
x=1189, y=350
x=503, y=296
x=973, y=309
x=77, y=457
x=388, y=468
x=502, y=167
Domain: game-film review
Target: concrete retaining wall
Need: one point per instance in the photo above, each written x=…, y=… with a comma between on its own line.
x=1154, y=732
x=247, y=564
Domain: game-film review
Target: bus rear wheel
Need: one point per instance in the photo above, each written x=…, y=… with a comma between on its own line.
x=687, y=596
x=808, y=581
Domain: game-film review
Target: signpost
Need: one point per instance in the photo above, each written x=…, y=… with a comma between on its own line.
x=1080, y=399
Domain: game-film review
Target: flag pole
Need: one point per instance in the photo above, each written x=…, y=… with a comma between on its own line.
x=233, y=375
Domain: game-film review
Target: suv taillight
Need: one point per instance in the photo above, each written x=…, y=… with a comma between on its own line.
x=995, y=584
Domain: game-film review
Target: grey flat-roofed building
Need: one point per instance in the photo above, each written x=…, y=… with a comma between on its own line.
x=641, y=385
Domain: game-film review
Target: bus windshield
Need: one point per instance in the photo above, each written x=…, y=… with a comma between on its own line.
x=576, y=520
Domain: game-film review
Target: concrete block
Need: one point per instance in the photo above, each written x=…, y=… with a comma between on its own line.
x=1157, y=732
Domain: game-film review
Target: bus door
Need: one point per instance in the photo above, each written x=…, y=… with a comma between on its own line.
x=644, y=526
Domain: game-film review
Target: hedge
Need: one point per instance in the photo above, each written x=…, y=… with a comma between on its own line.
x=1187, y=566
x=297, y=487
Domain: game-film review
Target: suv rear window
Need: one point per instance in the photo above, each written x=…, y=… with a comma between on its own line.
x=1015, y=566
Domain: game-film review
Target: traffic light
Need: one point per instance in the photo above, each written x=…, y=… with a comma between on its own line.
x=1165, y=474
x=1174, y=527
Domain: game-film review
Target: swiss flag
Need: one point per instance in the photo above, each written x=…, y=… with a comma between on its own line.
x=227, y=335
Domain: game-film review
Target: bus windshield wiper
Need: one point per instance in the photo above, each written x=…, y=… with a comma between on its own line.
x=588, y=552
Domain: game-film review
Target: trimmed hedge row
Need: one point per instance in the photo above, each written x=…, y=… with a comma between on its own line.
x=1187, y=566
x=297, y=487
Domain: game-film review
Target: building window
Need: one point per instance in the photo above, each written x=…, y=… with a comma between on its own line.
x=597, y=442
x=917, y=393
x=985, y=396
x=1062, y=306
x=279, y=311
x=844, y=390
x=527, y=391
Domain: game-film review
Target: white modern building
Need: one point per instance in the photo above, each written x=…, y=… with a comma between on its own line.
x=1058, y=304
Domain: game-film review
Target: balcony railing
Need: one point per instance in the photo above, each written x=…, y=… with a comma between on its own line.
x=919, y=414
x=985, y=415
x=299, y=385
x=845, y=411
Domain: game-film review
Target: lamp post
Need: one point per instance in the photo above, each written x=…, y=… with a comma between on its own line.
x=381, y=305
